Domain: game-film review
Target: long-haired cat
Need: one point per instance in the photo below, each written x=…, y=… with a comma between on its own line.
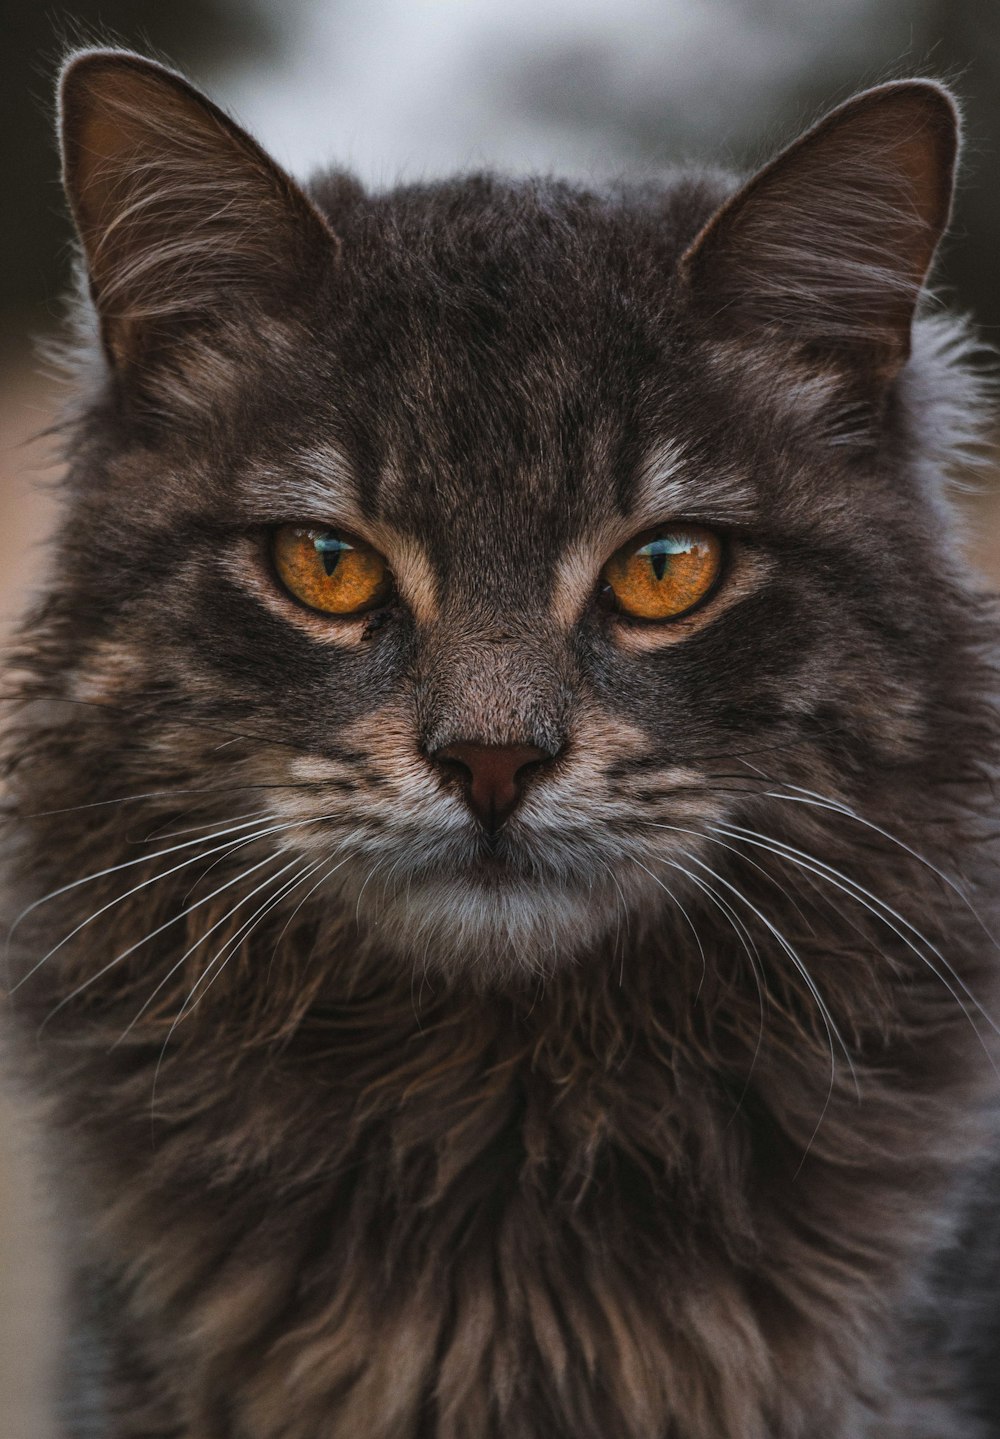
x=501, y=869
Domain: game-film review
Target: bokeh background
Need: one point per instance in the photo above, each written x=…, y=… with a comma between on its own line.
x=411, y=89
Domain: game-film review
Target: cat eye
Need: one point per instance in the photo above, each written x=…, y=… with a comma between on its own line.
x=330, y=571
x=665, y=573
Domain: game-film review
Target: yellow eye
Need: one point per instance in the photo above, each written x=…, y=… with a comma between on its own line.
x=664, y=573
x=330, y=571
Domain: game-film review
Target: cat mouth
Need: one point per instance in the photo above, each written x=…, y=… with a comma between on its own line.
x=512, y=855
x=495, y=860
x=491, y=849
x=502, y=864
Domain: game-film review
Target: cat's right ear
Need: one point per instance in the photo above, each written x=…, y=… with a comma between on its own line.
x=182, y=216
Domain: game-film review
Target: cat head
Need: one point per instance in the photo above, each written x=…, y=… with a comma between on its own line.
x=512, y=540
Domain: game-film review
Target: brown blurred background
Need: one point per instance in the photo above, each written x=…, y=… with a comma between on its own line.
x=411, y=88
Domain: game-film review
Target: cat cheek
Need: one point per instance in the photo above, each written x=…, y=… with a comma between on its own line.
x=391, y=779
x=112, y=671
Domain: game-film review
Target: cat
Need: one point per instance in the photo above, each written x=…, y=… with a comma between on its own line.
x=500, y=859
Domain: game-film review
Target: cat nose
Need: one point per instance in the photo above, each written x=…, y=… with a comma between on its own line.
x=494, y=775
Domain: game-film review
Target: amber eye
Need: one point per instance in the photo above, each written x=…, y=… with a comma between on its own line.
x=664, y=573
x=330, y=571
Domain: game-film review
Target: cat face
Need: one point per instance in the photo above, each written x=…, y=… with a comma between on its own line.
x=491, y=391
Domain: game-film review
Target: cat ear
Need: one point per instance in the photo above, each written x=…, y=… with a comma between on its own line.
x=829, y=245
x=182, y=216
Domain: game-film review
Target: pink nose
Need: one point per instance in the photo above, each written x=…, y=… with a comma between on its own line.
x=493, y=774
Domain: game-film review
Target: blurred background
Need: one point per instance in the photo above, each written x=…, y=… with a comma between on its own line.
x=412, y=89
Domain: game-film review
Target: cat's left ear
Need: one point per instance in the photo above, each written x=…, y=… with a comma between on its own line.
x=182, y=216
x=828, y=247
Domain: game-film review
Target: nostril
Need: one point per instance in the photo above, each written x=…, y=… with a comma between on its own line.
x=450, y=762
x=529, y=766
x=493, y=775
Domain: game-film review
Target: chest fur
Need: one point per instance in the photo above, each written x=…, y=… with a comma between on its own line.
x=504, y=1241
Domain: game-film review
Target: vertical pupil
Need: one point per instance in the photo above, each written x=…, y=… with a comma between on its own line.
x=330, y=550
x=658, y=559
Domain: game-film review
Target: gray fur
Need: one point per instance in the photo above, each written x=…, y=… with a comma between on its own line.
x=661, y=1115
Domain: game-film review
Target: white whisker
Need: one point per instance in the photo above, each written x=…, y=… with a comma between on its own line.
x=828, y=1021
x=125, y=864
x=683, y=912
x=208, y=824
x=370, y=875
x=229, y=845
x=152, y=934
x=879, y=908
x=190, y=1001
x=742, y=934
x=810, y=797
x=202, y=938
x=331, y=869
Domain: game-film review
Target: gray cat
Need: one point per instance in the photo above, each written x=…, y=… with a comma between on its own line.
x=502, y=866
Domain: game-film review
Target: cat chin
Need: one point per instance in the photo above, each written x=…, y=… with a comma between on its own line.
x=461, y=928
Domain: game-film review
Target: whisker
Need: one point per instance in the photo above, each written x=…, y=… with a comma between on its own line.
x=152, y=934
x=121, y=898
x=746, y=940
x=771, y=879
x=879, y=908
x=190, y=1002
x=858, y=890
x=125, y=864
x=332, y=869
x=829, y=1023
x=161, y=834
x=154, y=879
x=683, y=912
x=270, y=879
x=371, y=873
x=621, y=911
x=789, y=744
x=810, y=797
x=300, y=877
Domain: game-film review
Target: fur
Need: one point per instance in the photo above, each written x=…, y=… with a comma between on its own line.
x=663, y=1116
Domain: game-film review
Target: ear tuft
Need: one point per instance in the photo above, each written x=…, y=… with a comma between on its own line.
x=829, y=245
x=180, y=213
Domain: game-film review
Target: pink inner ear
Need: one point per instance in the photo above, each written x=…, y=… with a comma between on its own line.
x=830, y=244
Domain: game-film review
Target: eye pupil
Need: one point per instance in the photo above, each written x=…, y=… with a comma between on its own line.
x=668, y=575
x=328, y=572
x=330, y=551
